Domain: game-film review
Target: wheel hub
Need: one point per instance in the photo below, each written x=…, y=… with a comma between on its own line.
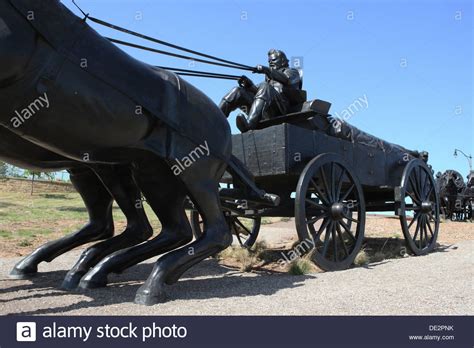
x=338, y=210
x=426, y=206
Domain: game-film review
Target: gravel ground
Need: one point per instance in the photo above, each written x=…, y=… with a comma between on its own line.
x=437, y=284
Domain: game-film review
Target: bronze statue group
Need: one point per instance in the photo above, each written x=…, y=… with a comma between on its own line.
x=90, y=127
x=457, y=196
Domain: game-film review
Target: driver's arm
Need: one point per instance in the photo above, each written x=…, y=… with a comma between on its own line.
x=278, y=76
x=288, y=77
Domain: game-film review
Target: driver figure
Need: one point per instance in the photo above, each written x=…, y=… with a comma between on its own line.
x=270, y=98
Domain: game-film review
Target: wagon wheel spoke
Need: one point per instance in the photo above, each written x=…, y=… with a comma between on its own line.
x=333, y=182
x=325, y=183
x=416, y=229
x=326, y=239
x=241, y=225
x=334, y=242
x=351, y=219
x=417, y=173
x=423, y=234
x=429, y=227
x=312, y=230
x=416, y=200
x=412, y=208
x=339, y=185
x=432, y=217
x=348, y=192
x=422, y=227
x=414, y=188
x=347, y=229
x=426, y=186
x=320, y=194
x=323, y=226
x=354, y=205
x=429, y=192
x=310, y=201
x=421, y=175
x=339, y=233
x=415, y=218
x=315, y=219
x=421, y=184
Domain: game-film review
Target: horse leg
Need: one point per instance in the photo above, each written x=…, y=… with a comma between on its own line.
x=166, y=196
x=98, y=203
x=119, y=181
x=203, y=189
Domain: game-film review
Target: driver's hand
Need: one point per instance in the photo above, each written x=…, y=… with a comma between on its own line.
x=261, y=69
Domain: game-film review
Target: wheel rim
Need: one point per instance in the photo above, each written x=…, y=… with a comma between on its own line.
x=420, y=198
x=330, y=210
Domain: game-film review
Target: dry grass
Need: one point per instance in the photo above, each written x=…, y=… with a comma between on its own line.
x=362, y=258
x=259, y=248
x=379, y=249
x=246, y=260
x=301, y=266
x=379, y=256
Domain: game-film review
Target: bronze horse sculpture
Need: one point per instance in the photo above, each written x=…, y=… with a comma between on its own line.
x=98, y=190
x=469, y=195
x=105, y=107
x=451, y=186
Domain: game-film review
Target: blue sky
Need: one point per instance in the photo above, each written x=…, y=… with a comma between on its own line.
x=411, y=59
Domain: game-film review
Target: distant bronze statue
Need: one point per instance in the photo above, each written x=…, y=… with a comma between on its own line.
x=451, y=187
x=270, y=98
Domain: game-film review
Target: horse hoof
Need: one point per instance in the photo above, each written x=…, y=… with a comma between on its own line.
x=23, y=273
x=71, y=281
x=147, y=298
x=93, y=282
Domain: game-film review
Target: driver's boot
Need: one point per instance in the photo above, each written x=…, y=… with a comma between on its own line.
x=255, y=114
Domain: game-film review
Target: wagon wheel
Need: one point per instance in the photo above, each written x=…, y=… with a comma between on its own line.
x=328, y=197
x=246, y=229
x=418, y=195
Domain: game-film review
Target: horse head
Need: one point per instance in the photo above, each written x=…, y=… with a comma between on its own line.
x=453, y=180
x=17, y=43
